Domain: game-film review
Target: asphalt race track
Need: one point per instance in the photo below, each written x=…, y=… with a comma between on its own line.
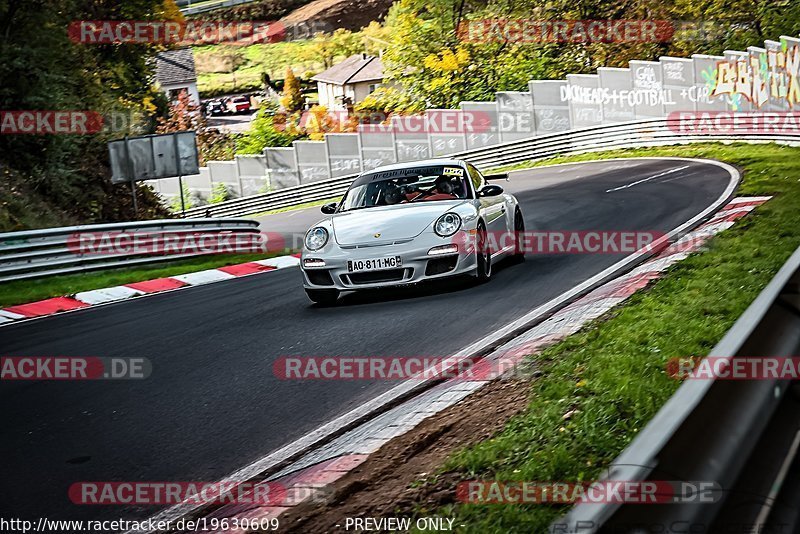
x=212, y=403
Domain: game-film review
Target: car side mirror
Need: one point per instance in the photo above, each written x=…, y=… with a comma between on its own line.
x=328, y=208
x=498, y=176
x=490, y=190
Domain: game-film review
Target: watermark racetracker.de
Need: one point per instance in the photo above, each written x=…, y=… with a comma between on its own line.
x=74, y=368
x=190, y=32
x=69, y=122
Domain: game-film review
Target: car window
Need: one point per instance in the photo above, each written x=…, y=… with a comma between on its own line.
x=403, y=186
x=476, y=177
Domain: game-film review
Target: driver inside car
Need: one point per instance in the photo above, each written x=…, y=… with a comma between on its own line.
x=444, y=188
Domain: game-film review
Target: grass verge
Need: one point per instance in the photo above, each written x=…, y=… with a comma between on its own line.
x=24, y=291
x=603, y=384
x=302, y=206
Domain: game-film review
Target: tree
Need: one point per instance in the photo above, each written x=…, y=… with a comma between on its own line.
x=292, y=99
x=41, y=68
x=185, y=116
x=319, y=122
x=264, y=132
x=328, y=47
x=423, y=39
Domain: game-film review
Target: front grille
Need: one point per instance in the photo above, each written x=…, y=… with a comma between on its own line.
x=375, y=244
x=374, y=277
x=441, y=265
x=320, y=277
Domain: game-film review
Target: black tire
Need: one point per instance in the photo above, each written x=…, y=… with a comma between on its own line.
x=483, y=271
x=325, y=297
x=519, y=230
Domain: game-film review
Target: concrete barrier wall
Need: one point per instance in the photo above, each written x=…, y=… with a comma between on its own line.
x=483, y=131
x=585, y=100
x=759, y=79
x=618, y=98
x=344, y=154
x=680, y=90
x=411, y=137
x=252, y=171
x=446, y=130
x=199, y=184
x=312, y=160
x=225, y=172
x=550, y=106
x=705, y=80
x=282, y=167
x=647, y=83
x=377, y=145
x=515, y=115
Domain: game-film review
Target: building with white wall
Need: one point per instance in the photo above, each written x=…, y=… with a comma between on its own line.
x=175, y=72
x=349, y=82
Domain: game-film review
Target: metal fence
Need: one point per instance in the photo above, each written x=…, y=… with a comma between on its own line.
x=190, y=8
x=742, y=435
x=640, y=133
x=51, y=251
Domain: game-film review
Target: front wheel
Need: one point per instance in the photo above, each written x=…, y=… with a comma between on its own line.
x=325, y=297
x=483, y=271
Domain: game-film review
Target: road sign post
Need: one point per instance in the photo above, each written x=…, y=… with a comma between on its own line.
x=152, y=157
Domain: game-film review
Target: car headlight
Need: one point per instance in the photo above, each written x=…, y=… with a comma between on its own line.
x=316, y=238
x=447, y=224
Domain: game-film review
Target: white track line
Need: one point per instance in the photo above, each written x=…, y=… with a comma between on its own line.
x=643, y=180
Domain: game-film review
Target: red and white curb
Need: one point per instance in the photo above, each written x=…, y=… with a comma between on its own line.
x=308, y=477
x=95, y=297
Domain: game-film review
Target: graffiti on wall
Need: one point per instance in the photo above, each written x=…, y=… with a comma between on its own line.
x=757, y=78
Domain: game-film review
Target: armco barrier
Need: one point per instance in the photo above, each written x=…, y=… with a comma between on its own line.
x=37, y=253
x=639, y=133
x=739, y=434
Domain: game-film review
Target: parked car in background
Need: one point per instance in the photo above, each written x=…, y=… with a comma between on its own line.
x=239, y=104
x=214, y=108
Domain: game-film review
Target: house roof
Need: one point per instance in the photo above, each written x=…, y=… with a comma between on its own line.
x=357, y=68
x=175, y=66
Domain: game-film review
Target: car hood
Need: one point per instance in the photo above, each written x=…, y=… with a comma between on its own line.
x=388, y=223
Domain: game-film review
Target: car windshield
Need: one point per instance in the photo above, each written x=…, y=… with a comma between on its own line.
x=403, y=186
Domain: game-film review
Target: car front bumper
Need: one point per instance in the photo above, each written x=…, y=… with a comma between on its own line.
x=416, y=265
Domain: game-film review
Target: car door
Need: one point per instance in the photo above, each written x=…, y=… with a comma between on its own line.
x=492, y=209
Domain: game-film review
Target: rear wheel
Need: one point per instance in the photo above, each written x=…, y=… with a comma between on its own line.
x=483, y=270
x=326, y=297
x=519, y=230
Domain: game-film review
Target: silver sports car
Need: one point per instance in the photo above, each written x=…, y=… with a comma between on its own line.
x=405, y=223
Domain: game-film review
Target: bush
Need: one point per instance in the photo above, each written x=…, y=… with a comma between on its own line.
x=219, y=193
x=263, y=133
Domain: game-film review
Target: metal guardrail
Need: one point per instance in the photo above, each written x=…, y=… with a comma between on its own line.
x=50, y=251
x=283, y=198
x=740, y=434
x=641, y=133
x=204, y=6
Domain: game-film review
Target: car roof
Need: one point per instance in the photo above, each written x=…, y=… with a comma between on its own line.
x=418, y=163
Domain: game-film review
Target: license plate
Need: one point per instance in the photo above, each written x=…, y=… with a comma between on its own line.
x=375, y=264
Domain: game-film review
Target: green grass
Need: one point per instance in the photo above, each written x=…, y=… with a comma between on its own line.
x=214, y=76
x=23, y=291
x=611, y=375
x=304, y=205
